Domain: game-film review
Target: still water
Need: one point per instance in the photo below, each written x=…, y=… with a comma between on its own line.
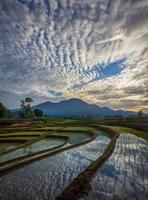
x=125, y=174
x=47, y=178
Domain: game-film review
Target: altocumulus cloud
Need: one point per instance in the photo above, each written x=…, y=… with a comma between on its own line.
x=96, y=50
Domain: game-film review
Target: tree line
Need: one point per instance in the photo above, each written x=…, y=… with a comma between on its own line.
x=25, y=112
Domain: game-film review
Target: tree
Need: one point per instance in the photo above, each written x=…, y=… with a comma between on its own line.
x=2, y=110
x=28, y=100
x=38, y=113
x=140, y=113
x=8, y=114
x=26, y=107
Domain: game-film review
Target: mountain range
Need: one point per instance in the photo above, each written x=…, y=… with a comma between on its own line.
x=78, y=107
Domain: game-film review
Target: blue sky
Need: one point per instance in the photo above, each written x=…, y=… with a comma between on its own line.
x=112, y=69
x=93, y=49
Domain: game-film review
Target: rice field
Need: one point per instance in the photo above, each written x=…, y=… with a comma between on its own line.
x=125, y=174
x=74, y=138
x=31, y=148
x=45, y=179
x=5, y=146
x=41, y=145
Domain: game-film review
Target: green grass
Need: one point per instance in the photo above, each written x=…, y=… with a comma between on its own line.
x=18, y=138
x=122, y=130
x=23, y=133
x=57, y=121
x=47, y=128
x=76, y=128
x=69, y=121
x=31, y=133
x=67, y=128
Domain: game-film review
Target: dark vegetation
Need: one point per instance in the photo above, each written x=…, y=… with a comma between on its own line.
x=38, y=113
x=138, y=122
x=26, y=111
x=4, y=112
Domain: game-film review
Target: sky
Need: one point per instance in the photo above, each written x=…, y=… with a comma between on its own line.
x=96, y=50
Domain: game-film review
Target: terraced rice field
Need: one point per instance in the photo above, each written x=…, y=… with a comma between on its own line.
x=10, y=141
x=47, y=178
x=125, y=174
x=42, y=144
x=7, y=146
x=74, y=138
x=32, y=148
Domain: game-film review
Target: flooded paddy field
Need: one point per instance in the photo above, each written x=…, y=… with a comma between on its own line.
x=31, y=148
x=37, y=146
x=47, y=178
x=74, y=138
x=11, y=141
x=8, y=146
x=125, y=174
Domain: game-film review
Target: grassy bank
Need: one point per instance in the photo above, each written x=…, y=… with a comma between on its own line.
x=122, y=130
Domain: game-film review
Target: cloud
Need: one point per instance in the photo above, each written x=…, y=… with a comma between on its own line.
x=55, y=93
x=93, y=49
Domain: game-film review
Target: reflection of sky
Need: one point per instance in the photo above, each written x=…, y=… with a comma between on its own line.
x=125, y=174
x=110, y=170
x=47, y=178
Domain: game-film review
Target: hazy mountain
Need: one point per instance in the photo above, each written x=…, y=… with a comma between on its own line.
x=77, y=107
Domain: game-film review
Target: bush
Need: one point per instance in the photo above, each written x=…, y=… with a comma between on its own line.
x=38, y=113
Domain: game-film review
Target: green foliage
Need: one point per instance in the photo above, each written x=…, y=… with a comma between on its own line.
x=26, y=108
x=2, y=110
x=8, y=115
x=38, y=113
x=28, y=100
x=21, y=114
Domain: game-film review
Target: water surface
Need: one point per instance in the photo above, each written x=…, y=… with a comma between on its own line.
x=125, y=174
x=4, y=146
x=47, y=178
x=32, y=148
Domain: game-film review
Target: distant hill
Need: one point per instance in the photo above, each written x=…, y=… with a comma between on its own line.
x=77, y=107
